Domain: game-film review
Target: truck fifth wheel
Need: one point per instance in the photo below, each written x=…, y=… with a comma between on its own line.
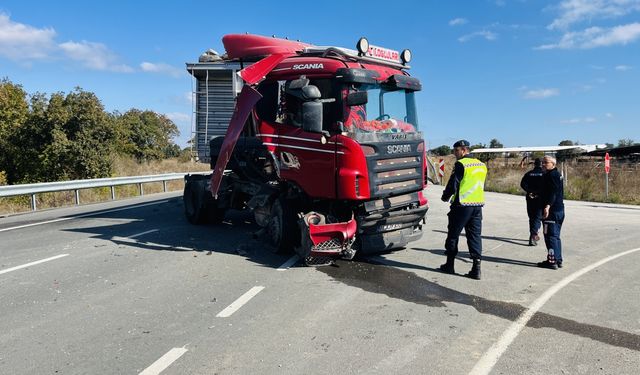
x=320, y=143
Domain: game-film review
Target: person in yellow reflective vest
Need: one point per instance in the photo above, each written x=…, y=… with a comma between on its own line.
x=465, y=192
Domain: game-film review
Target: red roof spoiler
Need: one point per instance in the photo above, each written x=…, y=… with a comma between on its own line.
x=240, y=46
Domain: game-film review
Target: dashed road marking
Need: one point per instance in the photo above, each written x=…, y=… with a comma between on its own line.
x=32, y=263
x=239, y=302
x=143, y=233
x=285, y=266
x=80, y=216
x=163, y=362
x=491, y=357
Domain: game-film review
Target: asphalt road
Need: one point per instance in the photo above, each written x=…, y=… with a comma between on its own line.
x=130, y=287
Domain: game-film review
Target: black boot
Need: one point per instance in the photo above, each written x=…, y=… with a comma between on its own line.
x=448, y=267
x=475, y=270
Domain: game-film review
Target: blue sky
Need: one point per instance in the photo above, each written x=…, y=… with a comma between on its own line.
x=529, y=73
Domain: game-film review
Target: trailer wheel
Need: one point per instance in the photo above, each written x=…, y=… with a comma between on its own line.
x=283, y=231
x=193, y=198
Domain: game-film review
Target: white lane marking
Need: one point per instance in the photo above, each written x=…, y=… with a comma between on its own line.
x=163, y=362
x=497, y=246
x=490, y=358
x=32, y=263
x=80, y=216
x=134, y=242
x=285, y=266
x=143, y=233
x=239, y=302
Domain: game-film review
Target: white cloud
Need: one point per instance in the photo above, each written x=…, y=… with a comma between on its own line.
x=585, y=120
x=585, y=88
x=594, y=37
x=576, y=11
x=94, y=56
x=23, y=42
x=623, y=68
x=458, y=21
x=608, y=115
x=488, y=35
x=162, y=68
x=178, y=117
x=541, y=93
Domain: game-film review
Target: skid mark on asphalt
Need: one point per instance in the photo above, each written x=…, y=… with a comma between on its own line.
x=407, y=286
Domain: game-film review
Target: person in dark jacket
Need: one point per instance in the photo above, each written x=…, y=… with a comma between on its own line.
x=465, y=192
x=531, y=183
x=553, y=213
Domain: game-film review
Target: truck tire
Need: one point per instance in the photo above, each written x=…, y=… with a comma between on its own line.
x=283, y=231
x=214, y=214
x=194, y=201
x=199, y=205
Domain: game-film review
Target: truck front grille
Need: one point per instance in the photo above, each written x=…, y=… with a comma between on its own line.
x=395, y=175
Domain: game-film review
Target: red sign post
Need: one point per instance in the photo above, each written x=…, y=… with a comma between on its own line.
x=607, y=168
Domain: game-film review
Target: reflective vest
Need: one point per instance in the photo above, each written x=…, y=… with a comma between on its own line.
x=471, y=188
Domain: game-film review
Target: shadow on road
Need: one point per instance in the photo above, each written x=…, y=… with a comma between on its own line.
x=464, y=256
x=395, y=283
x=515, y=241
x=234, y=236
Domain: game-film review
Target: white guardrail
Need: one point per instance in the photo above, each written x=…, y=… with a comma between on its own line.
x=77, y=185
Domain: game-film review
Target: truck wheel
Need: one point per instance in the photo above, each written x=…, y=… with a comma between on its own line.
x=214, y=214
x=194, y=201
x=283, y=231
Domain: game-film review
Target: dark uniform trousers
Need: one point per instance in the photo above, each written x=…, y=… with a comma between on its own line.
x=534, y=211
x=469, y=218
x=552, y=227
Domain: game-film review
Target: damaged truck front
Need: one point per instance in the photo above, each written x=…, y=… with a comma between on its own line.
x=320, y=143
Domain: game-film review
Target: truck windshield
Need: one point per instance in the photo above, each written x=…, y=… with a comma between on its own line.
x=387, y=111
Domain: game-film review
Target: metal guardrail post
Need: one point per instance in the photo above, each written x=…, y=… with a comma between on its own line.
x=33, y=202
x=113, y=193
x=141, y=189
x=77, y=197
x=164, y=185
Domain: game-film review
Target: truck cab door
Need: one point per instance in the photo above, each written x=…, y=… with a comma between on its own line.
x=308, y=159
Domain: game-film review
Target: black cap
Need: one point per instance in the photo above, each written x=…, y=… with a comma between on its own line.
x=537, y=162
x=462, y=143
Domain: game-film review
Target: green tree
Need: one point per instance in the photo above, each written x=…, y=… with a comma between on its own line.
x=484, y=157
x=14, y=111
x=626, y=142
x=563, y=155
x=494, y=143
x=443, y=150
x=66, y=137
x=146, y=135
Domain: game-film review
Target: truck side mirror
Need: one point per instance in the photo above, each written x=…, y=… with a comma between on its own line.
x=357, y=98
x=312, y=116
